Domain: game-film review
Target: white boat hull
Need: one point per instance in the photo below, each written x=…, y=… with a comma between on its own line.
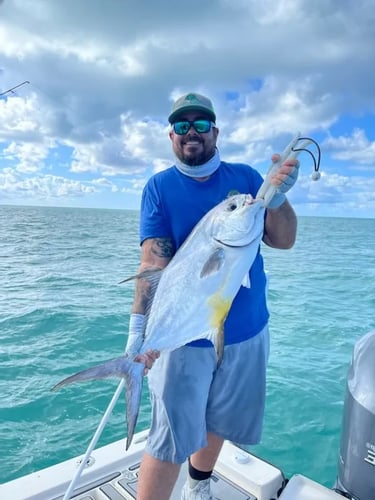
x=111, y=474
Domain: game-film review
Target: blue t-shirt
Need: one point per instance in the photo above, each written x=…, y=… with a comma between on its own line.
x=173, y=203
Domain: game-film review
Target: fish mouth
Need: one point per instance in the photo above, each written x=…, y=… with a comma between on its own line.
x=256, y=226
x=240, y=245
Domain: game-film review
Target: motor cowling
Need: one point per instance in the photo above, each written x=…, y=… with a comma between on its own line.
x=356, y=465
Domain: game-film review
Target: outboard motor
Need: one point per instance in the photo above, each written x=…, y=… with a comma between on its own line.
x=356, y=467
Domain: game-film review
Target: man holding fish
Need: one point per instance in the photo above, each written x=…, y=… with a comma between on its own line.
x=200, y=302
x=197, y=402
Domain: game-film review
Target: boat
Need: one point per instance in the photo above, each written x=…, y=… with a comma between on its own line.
x=111, y=473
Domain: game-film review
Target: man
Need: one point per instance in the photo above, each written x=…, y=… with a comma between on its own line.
x=195, y=404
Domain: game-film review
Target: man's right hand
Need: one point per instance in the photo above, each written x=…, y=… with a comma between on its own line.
x=148, y=359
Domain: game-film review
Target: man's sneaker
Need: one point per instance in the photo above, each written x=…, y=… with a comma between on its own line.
x=201, y=491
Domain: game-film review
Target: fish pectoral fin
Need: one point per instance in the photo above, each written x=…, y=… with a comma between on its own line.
x=214, y=263
x=246, y=281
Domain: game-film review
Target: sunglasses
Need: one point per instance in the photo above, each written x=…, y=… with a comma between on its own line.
x=201, y=126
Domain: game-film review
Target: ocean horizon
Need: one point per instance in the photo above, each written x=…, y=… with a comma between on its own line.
x=7, y=205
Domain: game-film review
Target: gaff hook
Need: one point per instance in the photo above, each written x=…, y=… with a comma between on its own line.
x=267, y=190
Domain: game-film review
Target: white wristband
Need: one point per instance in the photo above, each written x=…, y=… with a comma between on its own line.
x=136, y=323
x=135, y=336
x=277, y=200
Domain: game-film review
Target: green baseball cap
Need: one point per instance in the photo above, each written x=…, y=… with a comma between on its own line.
x=192, y=102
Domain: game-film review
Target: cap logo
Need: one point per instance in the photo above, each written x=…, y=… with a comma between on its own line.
x=191, y=97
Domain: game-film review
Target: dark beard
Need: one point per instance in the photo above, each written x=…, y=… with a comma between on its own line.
x=196, y=160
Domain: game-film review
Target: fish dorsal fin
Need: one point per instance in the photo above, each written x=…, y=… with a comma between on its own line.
x=149, y=274
x=214, y=263
x=152, y=276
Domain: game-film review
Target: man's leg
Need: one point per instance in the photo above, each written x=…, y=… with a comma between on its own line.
x=205, y=459
x=201, y=465
x=156, y=478
x=174, y=435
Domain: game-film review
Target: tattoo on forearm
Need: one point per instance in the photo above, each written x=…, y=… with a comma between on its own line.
x=163, y=247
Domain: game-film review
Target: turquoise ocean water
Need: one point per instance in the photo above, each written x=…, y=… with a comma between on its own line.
x=62, y=310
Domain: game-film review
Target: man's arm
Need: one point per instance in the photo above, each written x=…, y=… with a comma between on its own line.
x=156, y=254
x=280, y=227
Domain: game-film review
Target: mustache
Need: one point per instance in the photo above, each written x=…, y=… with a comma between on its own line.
x=192, y=137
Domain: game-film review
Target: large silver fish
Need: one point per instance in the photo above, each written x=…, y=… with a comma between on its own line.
x=193, y=294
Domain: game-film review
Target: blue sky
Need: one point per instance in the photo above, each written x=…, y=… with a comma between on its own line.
x=90, y=127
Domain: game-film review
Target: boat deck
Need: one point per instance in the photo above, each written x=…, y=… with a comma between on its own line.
x=123, y=485
x=111, y=473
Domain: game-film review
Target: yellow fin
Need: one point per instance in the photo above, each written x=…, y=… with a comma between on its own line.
x=220, y=309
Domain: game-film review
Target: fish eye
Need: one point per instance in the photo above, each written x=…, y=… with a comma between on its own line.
x=232, y=206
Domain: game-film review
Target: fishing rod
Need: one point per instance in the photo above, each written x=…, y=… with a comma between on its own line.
x=11, y=91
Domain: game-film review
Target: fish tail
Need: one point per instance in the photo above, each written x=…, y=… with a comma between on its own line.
x=133, y=384
x=122, y=367
x=117, y=367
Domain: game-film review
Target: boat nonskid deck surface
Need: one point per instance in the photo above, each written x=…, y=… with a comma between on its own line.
x=112, y=474
x=123, y=485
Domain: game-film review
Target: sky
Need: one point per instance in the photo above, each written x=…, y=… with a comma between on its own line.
x=89, y=127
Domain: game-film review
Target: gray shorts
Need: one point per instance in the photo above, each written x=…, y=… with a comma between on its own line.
x=191, y=396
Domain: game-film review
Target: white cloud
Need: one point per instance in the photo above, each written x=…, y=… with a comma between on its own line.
x=29, y=157
x=42, y=188
x=102, y=78
x=103, y=182
x=355, y=147
x=20, y=118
